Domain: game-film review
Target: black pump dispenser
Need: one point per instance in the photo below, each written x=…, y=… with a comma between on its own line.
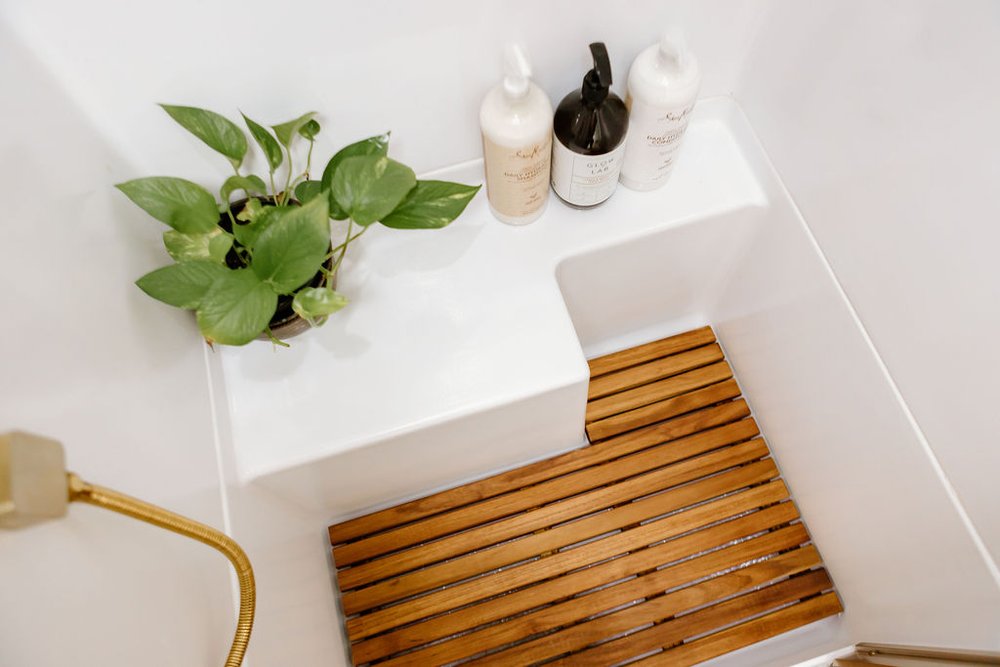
x=590, y=125
x=598, y=80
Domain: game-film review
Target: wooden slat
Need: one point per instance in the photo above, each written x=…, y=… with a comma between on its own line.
x=554, y=538
x=578, y=636
x=673, y=524
x=577, y=582
x=633, y=419
x=655, y=433
x=528, y=475
x=654, y=370
x=750, y=632
x=455, y=545
x=657, y=391
x=658, y=348
x=576, y=609
x=507, y=504
x=521, y=524
x=701, y=621
x=545, y=568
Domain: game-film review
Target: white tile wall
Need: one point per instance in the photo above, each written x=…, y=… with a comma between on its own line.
x=882, y=120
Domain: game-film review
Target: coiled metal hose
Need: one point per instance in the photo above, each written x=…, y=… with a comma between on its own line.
x=80, y=491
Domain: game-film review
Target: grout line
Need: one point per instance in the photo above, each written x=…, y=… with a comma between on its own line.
x=963, y=515
x=227, y=526
x=217, y=442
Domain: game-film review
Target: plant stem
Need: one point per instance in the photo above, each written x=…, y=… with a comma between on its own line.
x=275, y=339
x=229, y=210
x=327, y=277
x=288, y=181
x=347, y=242
x=309, y=158
x=274, y=190
x=349, y=239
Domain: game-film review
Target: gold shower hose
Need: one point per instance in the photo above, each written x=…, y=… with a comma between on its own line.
x=81, y=491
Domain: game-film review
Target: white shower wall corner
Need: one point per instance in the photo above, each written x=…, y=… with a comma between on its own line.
x=863, y=339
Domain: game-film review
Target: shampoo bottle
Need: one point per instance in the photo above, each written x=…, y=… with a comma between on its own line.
x=516, y=122
x=590, y=127
x=662, y=87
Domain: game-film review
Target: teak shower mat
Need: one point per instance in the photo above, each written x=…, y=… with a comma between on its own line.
x=671, y=538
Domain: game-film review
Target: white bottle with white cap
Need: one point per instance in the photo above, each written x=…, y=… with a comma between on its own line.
x=662, y=88
x=516, y=121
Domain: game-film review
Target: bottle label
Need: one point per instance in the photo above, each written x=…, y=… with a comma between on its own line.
x=585, y=180
x=653, y=140
x=517, y=179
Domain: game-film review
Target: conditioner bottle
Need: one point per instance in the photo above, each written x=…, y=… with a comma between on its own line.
x=516, y=122
x=662, y=87
x=590, y=127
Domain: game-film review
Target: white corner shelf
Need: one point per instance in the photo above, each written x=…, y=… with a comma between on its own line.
x=458, y=322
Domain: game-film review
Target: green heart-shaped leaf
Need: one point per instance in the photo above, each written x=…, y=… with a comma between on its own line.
x=377, y=145
x=310, y=130
x=314, y=303
x=267, y=143
x=247, y=234
x=308, y=190
x=250, y=210
x=292, y=248
x=185, y=206
x=217, y=131
x=237, y=307
x=182, y=285
x=190, y=247
x=219, y=246
x=248, y=184
x=368, y=188
x=431, y=205
x=287, y=131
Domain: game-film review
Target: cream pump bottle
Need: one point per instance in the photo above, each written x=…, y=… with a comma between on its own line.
x=516, y=122
x=662, y=87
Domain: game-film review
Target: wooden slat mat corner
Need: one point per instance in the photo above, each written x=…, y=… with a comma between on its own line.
x=671, y=537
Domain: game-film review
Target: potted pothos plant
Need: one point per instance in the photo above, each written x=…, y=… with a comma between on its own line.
x=262, y=264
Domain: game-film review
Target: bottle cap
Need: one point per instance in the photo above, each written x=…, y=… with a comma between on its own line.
x=598, y=80
x=673, y=53
x=517, y=71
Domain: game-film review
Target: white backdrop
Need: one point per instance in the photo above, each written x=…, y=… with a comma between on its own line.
x=880, y=117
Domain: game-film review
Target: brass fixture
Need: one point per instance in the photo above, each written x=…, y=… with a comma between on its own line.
x=35, y=486
x=867, y=653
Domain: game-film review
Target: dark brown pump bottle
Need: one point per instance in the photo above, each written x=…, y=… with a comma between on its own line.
x=590, y=125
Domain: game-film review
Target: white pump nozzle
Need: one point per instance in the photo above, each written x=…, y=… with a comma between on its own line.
x=673, y=49
x=517, y=71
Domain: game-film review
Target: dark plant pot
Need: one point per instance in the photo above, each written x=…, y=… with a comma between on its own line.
x=285, y=323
